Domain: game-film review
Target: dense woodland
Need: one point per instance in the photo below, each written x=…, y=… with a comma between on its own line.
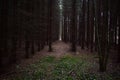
x=29, y=25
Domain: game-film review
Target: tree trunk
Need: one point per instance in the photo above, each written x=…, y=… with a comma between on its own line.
x=91, y=21
x=83, y=25
x=88, y=27
x=74, y=26
x=50, y=26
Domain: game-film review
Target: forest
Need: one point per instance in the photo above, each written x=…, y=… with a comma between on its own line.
x=59, y=40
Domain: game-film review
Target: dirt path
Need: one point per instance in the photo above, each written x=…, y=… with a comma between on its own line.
x=59, y=49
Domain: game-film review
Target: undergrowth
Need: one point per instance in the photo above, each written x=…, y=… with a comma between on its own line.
x=65, y=68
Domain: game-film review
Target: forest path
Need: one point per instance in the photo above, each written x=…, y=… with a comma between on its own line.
x=59, y=49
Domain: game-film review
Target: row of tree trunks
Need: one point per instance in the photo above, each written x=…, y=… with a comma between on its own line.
x=98, y=27
x=25, y=28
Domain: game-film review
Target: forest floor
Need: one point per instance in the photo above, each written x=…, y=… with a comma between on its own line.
x=62, y=64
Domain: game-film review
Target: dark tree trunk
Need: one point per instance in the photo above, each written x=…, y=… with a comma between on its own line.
x=104, y=37
x=27, y=45
x=3, y=32
x=118, y=47
x=32, y=47
x=74, y=26
x=65, y=28
x=101, y=15
x=88, y=27
x=91, y=21
x=83, y=25
x=119, y=43
x=50, y=26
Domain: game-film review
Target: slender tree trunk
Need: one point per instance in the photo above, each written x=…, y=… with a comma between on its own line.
x=119, y=43
x=91, y=21
x=65, y=28
x=74, y=26
x=83, y=25
x=32, y=47
x=118, y=32
x=50, y=25
x=88, y=28
x=27, y=45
